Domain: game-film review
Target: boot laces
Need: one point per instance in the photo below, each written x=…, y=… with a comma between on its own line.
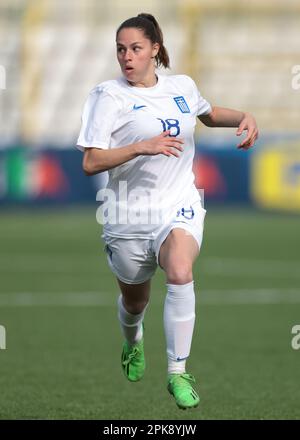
x=135, y=351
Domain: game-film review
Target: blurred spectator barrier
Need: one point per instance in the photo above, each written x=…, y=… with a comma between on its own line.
x=268, y=176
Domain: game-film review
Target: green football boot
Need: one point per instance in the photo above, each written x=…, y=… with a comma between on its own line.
x=133, y=360
x=179, y=385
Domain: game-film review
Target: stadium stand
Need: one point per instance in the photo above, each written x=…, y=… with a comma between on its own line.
x=54, y=52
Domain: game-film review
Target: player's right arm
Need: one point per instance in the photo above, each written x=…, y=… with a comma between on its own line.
x=97, y=160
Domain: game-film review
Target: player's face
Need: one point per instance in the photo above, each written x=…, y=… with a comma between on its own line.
x=135, y=52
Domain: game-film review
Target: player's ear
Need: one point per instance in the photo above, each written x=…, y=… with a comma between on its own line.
x=155, y=49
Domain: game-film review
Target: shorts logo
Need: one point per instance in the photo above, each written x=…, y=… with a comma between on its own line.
x=186, y=213
x=182, y=104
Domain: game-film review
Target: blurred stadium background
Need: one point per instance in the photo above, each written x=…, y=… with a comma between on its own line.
x=57, y=296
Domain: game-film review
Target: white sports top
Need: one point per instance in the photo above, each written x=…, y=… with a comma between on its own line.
x=142, y=192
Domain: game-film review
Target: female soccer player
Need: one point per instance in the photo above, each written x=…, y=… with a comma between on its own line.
x=140, y=128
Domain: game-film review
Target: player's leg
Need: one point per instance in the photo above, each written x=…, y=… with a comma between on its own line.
x=132, y=304
x=133, y=265
x=176, y=257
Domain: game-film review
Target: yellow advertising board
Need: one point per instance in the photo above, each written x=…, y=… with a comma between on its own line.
x=275, y=177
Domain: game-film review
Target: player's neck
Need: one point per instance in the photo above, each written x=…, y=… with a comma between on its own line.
x=145, y=83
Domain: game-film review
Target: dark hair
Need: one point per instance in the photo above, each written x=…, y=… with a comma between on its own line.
x=148, y=24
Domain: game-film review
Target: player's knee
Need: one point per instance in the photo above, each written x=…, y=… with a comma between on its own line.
x=179, y=274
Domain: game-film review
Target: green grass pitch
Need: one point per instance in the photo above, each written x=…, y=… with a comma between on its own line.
x=58, y=306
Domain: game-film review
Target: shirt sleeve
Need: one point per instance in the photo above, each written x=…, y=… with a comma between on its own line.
x=203, y=106
x=98, y=118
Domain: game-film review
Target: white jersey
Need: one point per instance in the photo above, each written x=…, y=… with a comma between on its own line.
x=144, y=190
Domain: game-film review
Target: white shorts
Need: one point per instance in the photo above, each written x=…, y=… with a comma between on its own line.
x=134, y=260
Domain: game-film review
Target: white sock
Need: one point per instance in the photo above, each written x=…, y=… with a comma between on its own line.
x=176, y=367
x=179, y=320
x=131, y=325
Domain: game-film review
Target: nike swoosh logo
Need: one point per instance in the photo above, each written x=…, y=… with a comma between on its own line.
x=136, y=107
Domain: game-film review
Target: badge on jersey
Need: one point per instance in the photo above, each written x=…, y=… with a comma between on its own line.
x=182, y=104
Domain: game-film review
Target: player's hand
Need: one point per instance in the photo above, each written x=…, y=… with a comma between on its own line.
x=248, y=123
x=162, y=144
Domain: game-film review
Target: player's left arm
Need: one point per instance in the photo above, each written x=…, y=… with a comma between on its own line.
x=226, y=117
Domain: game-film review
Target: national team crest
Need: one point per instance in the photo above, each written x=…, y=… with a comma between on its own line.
x=182, y=104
